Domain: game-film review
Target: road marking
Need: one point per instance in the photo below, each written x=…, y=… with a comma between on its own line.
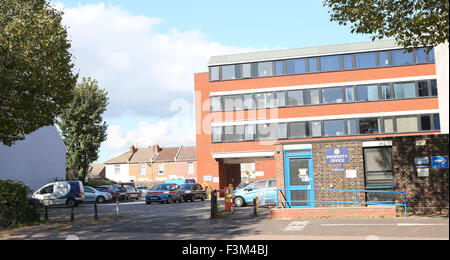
x=296, y=226
x=397, y=224
x=72, y=237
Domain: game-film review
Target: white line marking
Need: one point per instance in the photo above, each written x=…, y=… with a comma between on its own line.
x=398, y=224
x=296, y=226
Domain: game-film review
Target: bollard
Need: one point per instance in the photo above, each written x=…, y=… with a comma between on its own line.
x=213, y=204
x=254, y=208
x=95, y=211
x=46, y=213
x=72, y=214
x=117, y=207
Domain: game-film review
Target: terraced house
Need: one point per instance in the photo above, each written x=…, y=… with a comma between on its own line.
x=326, y=120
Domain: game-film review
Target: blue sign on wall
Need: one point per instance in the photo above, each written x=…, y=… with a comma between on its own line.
x=439, y=162
x=337, y=155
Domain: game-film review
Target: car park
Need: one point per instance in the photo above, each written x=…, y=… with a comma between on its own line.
x=94, y=195
x=193, y=191
x=111, y=190
x=265, y=190
x=70, y=193
x=132, y=193
x=165, y=192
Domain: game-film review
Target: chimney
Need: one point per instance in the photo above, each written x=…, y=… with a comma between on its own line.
x=132, y=149
x=156, y=148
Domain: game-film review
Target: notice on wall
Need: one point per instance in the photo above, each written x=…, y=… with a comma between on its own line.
x=423, y=172
x=216, y=180
x=207, y=178
x=351, y=174
x=303, y=172
x=337, y=155
x=259, y=174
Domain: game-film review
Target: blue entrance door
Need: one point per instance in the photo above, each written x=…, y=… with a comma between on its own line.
x=299, y=179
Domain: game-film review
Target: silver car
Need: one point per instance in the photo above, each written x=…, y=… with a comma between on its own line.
x=91, y=194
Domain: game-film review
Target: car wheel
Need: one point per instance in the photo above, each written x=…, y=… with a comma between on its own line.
x=203, y=197
x=71, y=203
x=100, y=200
x=148, y=202
x=192, y=198
x=181, y=199
x=169, y=200
x=138, y=197
x=239, y=202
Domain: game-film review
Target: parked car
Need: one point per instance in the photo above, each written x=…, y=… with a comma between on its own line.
x=166, y=192
x=265, y=190
x=70, y=193
x=132, y=193
x=181, y=181
x=94, y=195
x=123, y=192
x=193, y=191
x=142, y=189
x=111, y=190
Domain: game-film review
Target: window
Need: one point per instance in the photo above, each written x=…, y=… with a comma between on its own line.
x=365, y=60
x=334, y=127
x=228, y=72
x=436, y=122
x=299, y=130
x=434, y=88
x=271, y=100
x=260, y=100
x=313, y=67
x=386, y=92
x=315, y=96
x=232, y=103
x=296, y=66
x=250, y=132
x=161, y=169
x=47, y=190
x=421, y=55
x=295, y=98
x=350, y=94
x=332, y=95
x=246, y=70
x=279, y=68
x=234, y=133
x=214, y=73
x=265, y=69
x=142, y=169
x=352, y=127
x=330, y=63
x=266, y=132
x=431, y=55
x=216, y=105
x=367, y=93
x=368, y=126
x=282, y=131
x=425, y=123
x=216, y=133
x=423, y=89
x=378, y=166
x=389, y=125
x=407, y=124
x=117, y=169
x=405, y=90
x=249, y=102
x=190, y=168
x=238, y=71
x=316, y=129
x=347, y=61
x=384, y=58
x=401, y=57
x=281, y=99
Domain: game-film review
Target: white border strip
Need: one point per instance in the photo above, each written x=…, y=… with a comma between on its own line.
x=319, y=118
x=243, y=155
x=328, y=85
x=377, y=143
x=297, y=146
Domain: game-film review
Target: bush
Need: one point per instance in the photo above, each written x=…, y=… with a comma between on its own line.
x=15, y=209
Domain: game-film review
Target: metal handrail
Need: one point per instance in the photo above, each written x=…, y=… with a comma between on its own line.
x=356, y=202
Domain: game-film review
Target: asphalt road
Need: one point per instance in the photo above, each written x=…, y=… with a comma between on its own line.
x=190, y=221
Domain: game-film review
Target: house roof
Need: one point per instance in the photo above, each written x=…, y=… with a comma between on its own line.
x=167, y=154
x=187, y=153
x=142, y=155
x=96, y=169
x=123, y=158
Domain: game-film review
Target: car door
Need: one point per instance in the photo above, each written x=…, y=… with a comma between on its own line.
x=48, y=195
x=89, y=194
x=271, y=192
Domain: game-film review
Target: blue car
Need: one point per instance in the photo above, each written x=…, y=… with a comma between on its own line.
x=166, y=192
x=265, y=190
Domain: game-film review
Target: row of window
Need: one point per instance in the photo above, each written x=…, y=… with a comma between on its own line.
x=361, y=93
x=326, y=128
x=399, y=57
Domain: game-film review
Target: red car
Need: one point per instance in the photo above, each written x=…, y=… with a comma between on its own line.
x=115, y=193
x=193, y=191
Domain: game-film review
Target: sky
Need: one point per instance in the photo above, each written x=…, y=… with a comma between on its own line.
x=145, y=54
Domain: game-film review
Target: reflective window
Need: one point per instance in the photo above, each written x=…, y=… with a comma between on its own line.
x=401, y=57
x=330, y=63
x=271, y=100
x=313, y=67
x=431, y=55
x=404, y=90
x=316, y=129
x=423, y=89
x=265, y=69
x=314, y=96
x=267, y=131
x=299, y=130
x=260, y=100
x=295, y=98
x=249, y=102
x=389, y=125
x=234, y=133
x=350, y=94
x=246, y=70
x=228, y=72
x=232, y=103
x=214, y=73
x=215, y=104
x=434, y=88
x=332, y=95
x=365, y=60
x=279, y=67
x=334, y=128
x=348, y=61
x=296, y=66
x=250, y=132
x=369, y=126
x=281, y=99
x=384, y=58
x=421, y=55
x=436, y=122
x=367, y=93
x=425, y=123
x=386, y=92
x=352, y=128
x=216, y=133
x=238, y=71
x=407, y=124
x=282, y=131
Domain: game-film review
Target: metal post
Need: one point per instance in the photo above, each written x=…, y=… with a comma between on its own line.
x=72, y=214
x=213, y=204
x=95, y=211
x=254, y=208
x=356, y=199
x=117, y=206
x=46, y=213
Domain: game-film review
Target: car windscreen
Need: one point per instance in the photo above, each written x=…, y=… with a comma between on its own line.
x=162, y=187
x=243, y=184
x=187, y=186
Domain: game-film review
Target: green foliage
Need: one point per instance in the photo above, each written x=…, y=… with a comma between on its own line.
x=413, y=23
x=82, y=126
x=14, y=207
x=36, y=78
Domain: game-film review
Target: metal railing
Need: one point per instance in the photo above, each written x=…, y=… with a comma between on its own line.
x=288, y=203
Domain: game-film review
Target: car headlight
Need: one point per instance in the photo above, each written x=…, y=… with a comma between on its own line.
x=188, y=191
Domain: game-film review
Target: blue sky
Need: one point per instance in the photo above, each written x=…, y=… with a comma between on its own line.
x=145, y=53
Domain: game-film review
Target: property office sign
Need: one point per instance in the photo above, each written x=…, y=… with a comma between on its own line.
x=439, y=162
x=337, y=155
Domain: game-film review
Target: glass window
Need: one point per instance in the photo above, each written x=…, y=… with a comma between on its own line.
x=431, y=56
x=366, y=60
x=260, y=100
x=315, y=96
x=352, y=128
x=296, y=66
x=298, y=130
x=279, y=67
x=250, y=132
x=266, y=132
x=348, y=61
x=423, y=89
x=421, y=55
x=367, y=93
x=401, y=57
x=246, y=70
x=214, y=73
x=271, y=100
x=330, y=63
x=117, y=169
x=425, y=122
x=316, y=129
x=142, y=169
x=228, y=72
x=216, y=133
x=405, y=90
x=234, y=133
x=434, y=88
x=281, y=99
x=436, y=122
x=216, y=105
x=350, y=94
x=334, y=127
x=332, y=95
x=386, y=92
x=384, y=58
x=369, y=126
x=389, y=125
x=265, y=69
x=295, y=98
x=282, y=131
x=238, y=71
x=313, y=65
x=232, y=103
x=378, y=170
x=407, y=124
x=254, y=70
x=249, y=102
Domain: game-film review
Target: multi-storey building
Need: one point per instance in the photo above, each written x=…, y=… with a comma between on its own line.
x=331, y=117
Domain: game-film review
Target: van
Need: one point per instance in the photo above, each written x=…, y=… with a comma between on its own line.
x=265, y=190
x=70, y=193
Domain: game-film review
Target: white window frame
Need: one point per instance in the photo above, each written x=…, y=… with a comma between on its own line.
x=117, y=169
x=143, y=169
x=161, y=169
x=190, y=168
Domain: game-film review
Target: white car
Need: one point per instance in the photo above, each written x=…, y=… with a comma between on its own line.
x=91, y=194
x=70, y=193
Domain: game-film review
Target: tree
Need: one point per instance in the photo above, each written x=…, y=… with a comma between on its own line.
x=412, y=23
x=36, y=77
x=82, y=126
